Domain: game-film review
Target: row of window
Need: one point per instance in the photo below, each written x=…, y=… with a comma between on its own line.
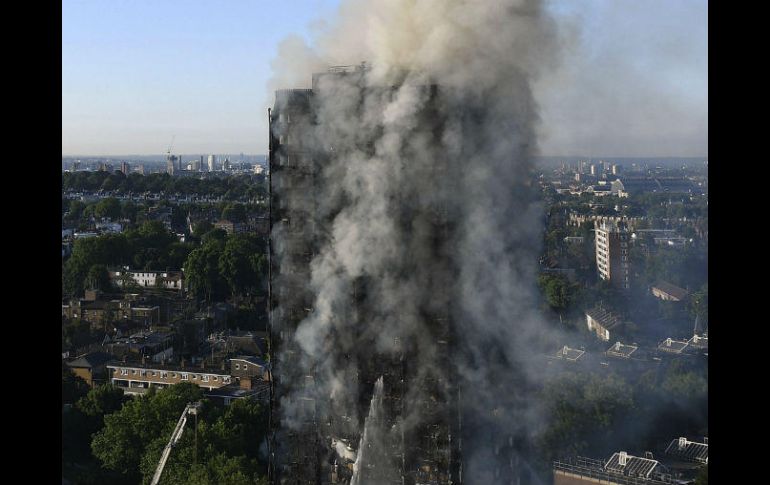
x=165, y=374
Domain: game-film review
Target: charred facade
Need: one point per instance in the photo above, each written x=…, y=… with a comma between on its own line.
x=419, y=422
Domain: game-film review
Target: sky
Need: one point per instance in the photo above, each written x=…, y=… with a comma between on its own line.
x=632, y=78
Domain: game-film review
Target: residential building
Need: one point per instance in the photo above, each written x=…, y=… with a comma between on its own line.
x=612, y=260
x=91, y=367
x=601, y=321
x=169, y=280
x=212, y=162
x=621, y=469
x=668, y=292
x=430, y=453
x=136, y=378
x=230, y=227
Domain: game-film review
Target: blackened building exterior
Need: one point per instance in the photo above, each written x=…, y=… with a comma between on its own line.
x=302, y=449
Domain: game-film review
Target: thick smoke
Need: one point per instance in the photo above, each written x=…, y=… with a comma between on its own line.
x=426, y=202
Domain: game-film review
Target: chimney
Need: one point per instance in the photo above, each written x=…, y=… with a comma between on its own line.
x=648, y=455
x=682, y=443
x=705, y=440
x=622, y=458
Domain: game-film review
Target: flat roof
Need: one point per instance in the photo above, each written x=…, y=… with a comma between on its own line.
x=621, y=350
x=568, y=353
x=671, y=345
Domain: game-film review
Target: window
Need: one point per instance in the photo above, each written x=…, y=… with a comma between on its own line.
x=185, y=377
x=124, y=372
x=164, y=373
x=205, y=378
x=214, y=378
x=133, y=372
x=194, y=376
x=237, y=366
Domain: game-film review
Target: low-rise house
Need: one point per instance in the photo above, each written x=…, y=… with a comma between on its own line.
x=91, y=367
x=249, y=370
x=109, y=227
x=601, y=321
x=668, y=292
x=230, y=227
x=574, y=239
x=169, y=280
x=137, y=378
x=153, y=346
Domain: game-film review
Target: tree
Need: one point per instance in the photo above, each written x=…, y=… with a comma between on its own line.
x=234, y=213
x=101, y=401
x=201, y=228
x=202, y=271
x=128, y=211
x=703, y=476
x=241, y=264
x=559, y=292
x=699, y=306
x=98, y=278
x=583, y=412
x=127, y=433
x=72, y=386
x=108, y=208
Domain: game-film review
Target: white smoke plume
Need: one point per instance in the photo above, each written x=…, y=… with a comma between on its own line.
x=455, y=298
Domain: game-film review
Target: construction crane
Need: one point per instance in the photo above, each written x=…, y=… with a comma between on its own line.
x=168, y=152
x=191, y=408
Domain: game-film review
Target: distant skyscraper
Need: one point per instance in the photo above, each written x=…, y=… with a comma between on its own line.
x=615, y=169
x=202, y=165
x=593, y=170
x=212, y=162
x=125, y=167
x=612, y=253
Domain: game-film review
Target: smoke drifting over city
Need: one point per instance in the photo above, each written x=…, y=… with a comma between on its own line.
x=425, y=201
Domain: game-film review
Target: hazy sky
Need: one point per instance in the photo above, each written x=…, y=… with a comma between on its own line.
x=633, y=77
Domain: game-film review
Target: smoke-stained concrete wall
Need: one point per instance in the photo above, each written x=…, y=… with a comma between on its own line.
x=416, y=235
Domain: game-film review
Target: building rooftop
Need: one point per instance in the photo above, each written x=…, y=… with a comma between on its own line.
x=567, y=353
x=671, y=345
x=699, y=342
x=605, y=318
x=686, y=450
x=619, y=349
x=91, y=360
x=170, y=367
x=672, y=290
x=629, y=465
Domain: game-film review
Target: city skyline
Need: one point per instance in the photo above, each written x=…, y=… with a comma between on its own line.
x=629, y=82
